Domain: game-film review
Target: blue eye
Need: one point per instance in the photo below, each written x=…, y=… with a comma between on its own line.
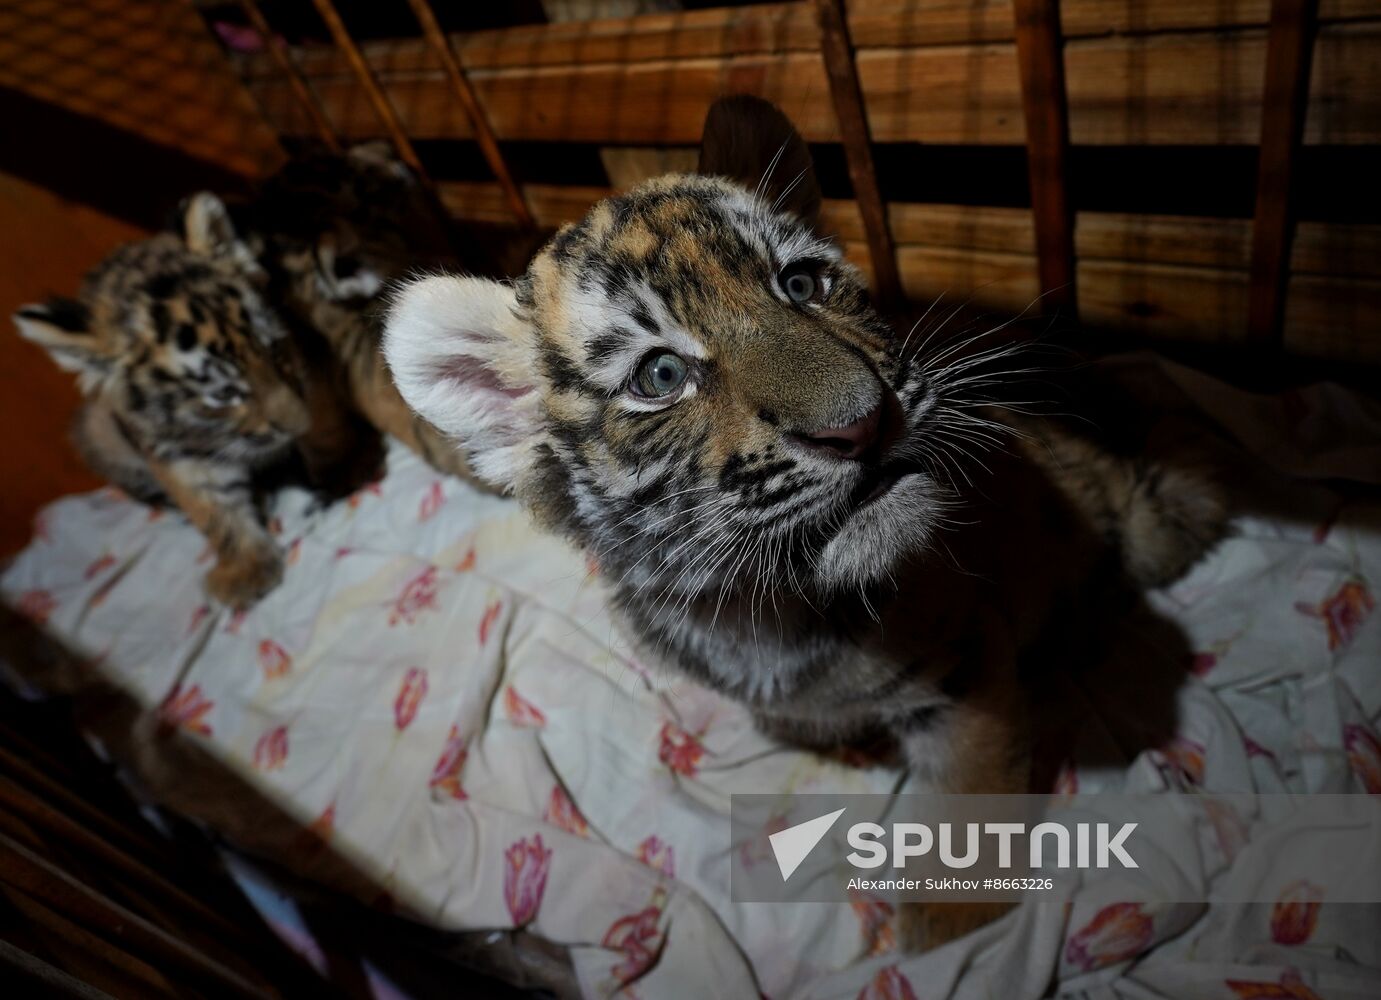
x=659, y=374
x=801, y=282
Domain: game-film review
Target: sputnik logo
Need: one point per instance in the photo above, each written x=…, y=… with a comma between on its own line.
x=791, y=846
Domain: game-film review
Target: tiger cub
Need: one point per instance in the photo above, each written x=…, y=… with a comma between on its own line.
x=191, y=385
x=693, y=386
x=333, y=231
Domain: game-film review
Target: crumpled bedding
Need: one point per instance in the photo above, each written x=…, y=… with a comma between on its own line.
x=437, y=693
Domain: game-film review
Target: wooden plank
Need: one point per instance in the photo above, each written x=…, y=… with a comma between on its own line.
x=1041, y=63
x=364, y=77
x=278, y=52
x=1290, y=46
x=1335, y=318
x=1162, y=300
x=1181, y=89
x=146, y=66
x=1342, y=249
x=838, y=54
x=465, y=94
x=789, y=27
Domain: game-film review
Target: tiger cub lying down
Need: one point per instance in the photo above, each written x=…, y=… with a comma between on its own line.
x=208, y=356
x=692, y=385
x=192, y=385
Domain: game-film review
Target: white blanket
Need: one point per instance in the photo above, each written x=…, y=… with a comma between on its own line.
x=436, y=691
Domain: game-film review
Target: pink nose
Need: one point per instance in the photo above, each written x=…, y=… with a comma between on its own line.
x=851, y=441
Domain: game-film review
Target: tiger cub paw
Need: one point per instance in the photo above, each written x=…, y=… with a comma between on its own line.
x=238, y=581
x=923, y=926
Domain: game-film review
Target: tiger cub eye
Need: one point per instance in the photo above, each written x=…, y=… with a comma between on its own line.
x=801, y=283
x=659, y=375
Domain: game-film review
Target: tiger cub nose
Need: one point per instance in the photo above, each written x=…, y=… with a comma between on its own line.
x=852, y=441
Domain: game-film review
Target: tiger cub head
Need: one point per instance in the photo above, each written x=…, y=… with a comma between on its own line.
x=690, y=382
x=174, y=334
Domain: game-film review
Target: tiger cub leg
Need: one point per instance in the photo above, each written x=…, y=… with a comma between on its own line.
x=218, y=500
x=976, y=746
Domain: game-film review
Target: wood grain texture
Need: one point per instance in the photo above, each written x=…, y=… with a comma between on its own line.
x=838, y=54
x=147, y=66
x=1040, y=60
x=1289, y=49
x=364, y=77
x=1189, y=89
x=282, y=58
x=791, y=27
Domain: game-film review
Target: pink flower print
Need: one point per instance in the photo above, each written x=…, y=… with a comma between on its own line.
x=431, y=502
x=1343, y=613
x=637, y=937
x=410, y=695
x=446, y=775
x=99, y=566
x=369, y=489
x=491, y=615
x=888, y=984
x=1295, y=913
x=1255, y=749
x=468, y=563
x=198, y=616
x=274, y=660
x=563, y=813
x=680, y=750
x=520, y=711
x=1186, y=757
x=1201, y=663
x=1288, y=987
x=236, y=621
x=272, y=749
x=1116, y=933
x=185, y=710
x=657, y=853
x=1364, y=754
x=526, y=863
x=419, y=594
x=294, y=553
x=37, y=605
x=875, y=922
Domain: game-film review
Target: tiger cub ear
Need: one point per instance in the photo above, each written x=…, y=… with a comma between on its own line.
x=62, y=327
x=207, y=229
x=464, y=359
x=750, y=141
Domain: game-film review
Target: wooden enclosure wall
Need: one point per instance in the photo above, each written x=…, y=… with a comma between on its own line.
x=1168, y=74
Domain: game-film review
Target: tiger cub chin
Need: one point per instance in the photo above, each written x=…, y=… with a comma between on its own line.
x=692, y=385
x=191, y=385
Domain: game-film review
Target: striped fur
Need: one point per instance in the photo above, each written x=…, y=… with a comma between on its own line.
x=191, y=384
x=892, y=599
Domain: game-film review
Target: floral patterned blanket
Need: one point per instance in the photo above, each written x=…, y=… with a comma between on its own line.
x=437, y=694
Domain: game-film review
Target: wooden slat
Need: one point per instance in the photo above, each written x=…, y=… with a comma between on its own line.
x=364, y=77
x=1182, y=89
x=465, y=94
x=1333, y=318
x=1341, y=249
x=1282, y=123
x=838, y=54
x=145, y=66
x=1291, y=43
x=790, y=27
x=32, y=875
x=278, y=52
x=1041, y=62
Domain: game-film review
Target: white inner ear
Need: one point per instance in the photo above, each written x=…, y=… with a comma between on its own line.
x=463, y=360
